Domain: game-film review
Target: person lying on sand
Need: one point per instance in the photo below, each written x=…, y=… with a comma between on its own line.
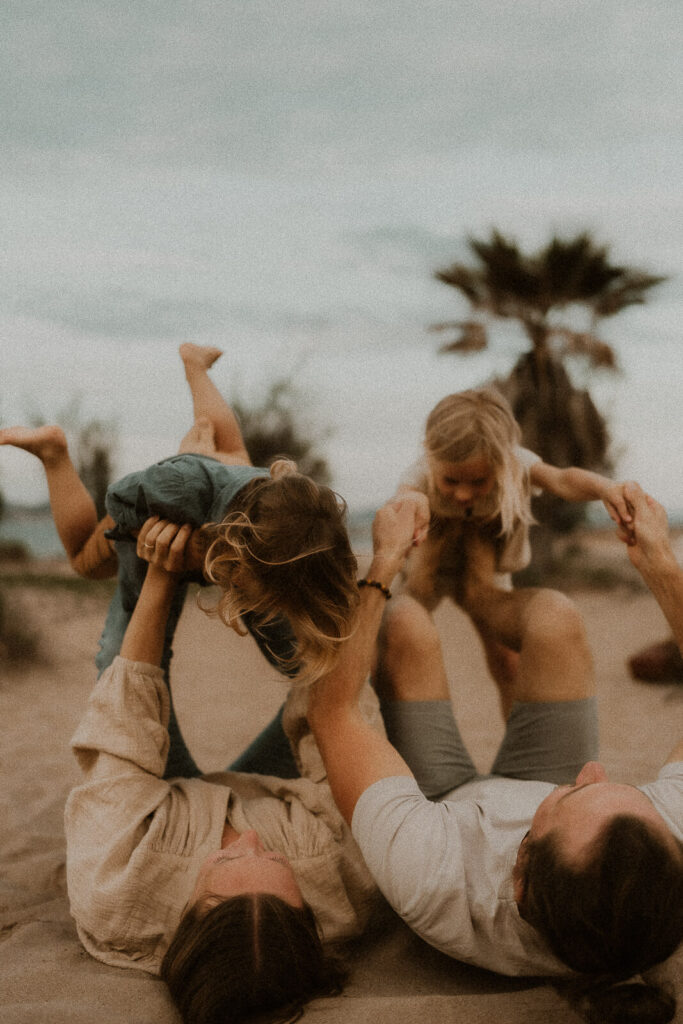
x=543, y=867
x=233, y=887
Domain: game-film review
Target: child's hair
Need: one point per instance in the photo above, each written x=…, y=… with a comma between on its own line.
x=480, y=422
x=249, y=955
x=284, y=551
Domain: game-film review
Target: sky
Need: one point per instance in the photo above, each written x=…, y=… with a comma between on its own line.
x=282, y=180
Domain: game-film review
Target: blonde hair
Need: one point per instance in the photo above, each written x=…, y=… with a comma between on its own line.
x=284, y=551
x=480, y=422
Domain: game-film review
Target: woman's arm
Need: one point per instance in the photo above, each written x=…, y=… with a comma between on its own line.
x=162, y=544
x=575, y=484
x=354, y=754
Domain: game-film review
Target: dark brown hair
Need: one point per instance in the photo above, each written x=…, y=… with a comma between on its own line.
x=283, y=549
x=249, y=955
x=613, y=917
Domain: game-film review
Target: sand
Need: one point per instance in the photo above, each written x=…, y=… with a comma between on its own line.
x=224, y=694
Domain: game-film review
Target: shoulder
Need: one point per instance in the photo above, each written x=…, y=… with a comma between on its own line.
x=666, y=793
x=416, y=475
x=526, y=457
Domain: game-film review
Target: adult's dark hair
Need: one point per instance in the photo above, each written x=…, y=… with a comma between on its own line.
x=616, y=915
x=250, y=955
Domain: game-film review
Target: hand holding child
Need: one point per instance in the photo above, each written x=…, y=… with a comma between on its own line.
x=615, y=500
x=393, y=531
x=650, y=549
x=420, y=502
x=163, y=544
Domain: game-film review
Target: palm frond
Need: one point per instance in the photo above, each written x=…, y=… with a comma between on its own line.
x=472, y=337
x=583, y=343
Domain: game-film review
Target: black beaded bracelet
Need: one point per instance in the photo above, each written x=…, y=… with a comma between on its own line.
x=377, y=585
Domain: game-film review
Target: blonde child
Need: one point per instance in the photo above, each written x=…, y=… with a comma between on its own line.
x=473, y=493
x=276, y=543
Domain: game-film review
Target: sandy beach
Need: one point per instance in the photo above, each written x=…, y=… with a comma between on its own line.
x=224, y=694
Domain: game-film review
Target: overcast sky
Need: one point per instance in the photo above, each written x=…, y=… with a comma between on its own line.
x=282, y=179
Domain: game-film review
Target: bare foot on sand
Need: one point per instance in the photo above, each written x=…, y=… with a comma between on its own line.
x=203, y=356
x=200, y=438
x=47, y=443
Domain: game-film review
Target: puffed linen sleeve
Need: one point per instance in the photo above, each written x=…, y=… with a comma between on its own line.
x=134, y=840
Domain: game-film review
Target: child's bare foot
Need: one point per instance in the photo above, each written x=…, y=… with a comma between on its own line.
x=47, y=443
x=200, y=438
x=202, y=356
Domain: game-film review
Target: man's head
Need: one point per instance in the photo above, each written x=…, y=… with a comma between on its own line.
x=600, y=875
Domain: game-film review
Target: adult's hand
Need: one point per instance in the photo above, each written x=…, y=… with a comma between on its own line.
x=650, y=549
x=165, y=544
x=393, y=530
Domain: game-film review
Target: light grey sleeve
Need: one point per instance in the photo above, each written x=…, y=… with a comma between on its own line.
x=666, y=793
x=529, y=459
x=413, y=849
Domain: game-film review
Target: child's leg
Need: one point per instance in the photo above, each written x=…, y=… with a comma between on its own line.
x=503, y=664
x=73, y=510
x=541, y=625
x=207, y=401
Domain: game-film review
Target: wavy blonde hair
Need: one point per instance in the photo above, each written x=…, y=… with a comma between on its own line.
x=284, y=551
x=480, y=422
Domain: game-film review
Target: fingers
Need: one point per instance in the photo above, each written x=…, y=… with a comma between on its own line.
x=163, y=543
x=635, y=496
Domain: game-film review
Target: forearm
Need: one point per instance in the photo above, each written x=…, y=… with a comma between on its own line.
x=664, y=577
x=342, y=686
x=574, y=484
x=144, y=636
x=354, y=754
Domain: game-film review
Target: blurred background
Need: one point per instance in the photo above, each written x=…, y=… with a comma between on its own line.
x=285, y=181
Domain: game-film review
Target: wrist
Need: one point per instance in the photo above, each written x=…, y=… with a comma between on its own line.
x=661, y=565
x=384, y=568
x=159, y=583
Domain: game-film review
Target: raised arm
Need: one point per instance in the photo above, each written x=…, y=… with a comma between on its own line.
x=654, y=558
x=652, y=555
x=575, y=484
x=162, y=544
x=354, y=754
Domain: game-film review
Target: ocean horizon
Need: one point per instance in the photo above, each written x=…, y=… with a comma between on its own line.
x=32, y=527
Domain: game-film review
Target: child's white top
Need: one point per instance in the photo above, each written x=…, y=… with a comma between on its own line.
x=514, y=551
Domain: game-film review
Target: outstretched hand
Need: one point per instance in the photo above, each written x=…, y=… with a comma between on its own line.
x=165, y=544
x=616, y=501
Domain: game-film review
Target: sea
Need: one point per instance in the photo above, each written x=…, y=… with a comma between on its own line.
x=32, y=527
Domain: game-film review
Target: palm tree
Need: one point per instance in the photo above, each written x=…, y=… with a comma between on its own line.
x=559, y=421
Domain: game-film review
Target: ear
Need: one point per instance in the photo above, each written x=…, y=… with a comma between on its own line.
x=281, y=468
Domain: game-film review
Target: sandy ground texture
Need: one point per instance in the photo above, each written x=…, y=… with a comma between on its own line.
x=225, y=693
